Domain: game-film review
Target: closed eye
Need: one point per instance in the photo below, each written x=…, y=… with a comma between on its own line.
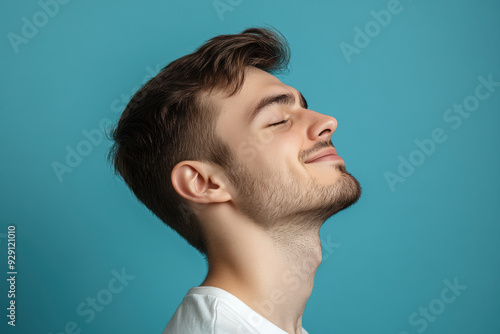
x=279, y=123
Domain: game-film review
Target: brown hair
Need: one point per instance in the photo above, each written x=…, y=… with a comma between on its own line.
x=167, y=121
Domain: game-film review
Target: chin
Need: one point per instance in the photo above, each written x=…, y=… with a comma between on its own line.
x=348, y=189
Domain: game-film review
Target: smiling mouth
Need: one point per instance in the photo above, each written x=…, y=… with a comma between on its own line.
x=329, y=157
x=330, y=154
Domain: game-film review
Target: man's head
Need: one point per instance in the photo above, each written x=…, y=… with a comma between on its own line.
x=216, y=126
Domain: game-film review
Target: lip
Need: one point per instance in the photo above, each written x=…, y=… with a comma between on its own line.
x=325, y=155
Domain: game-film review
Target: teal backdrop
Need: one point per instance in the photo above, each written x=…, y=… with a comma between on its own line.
x=414, y=85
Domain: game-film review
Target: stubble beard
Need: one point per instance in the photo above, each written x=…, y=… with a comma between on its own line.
x=276, y=201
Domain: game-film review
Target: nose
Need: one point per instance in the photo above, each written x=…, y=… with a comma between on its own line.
x=321, y=126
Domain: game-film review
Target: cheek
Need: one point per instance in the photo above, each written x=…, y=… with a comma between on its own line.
x=269, y=150
x=282, y=154
x=279, y=146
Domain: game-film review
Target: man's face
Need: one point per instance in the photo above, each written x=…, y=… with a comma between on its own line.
x=272, y=172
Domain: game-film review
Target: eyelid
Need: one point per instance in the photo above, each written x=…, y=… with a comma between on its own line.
x=279, y=123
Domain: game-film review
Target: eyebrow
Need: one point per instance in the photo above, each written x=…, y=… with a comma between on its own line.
x=283, y=99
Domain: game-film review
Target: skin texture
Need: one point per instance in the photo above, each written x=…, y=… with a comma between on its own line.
x=262, y=216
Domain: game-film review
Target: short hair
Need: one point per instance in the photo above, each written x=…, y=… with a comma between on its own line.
x=168, y=121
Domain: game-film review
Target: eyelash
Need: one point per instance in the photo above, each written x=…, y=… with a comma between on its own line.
x=279, y=123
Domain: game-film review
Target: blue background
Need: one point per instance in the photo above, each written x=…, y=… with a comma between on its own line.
x=391, y=252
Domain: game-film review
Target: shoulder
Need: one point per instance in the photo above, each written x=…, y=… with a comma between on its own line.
x=209, y=311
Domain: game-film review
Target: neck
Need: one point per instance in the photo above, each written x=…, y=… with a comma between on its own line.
x=271, y=271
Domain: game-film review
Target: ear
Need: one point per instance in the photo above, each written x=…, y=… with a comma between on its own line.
x=199, y=182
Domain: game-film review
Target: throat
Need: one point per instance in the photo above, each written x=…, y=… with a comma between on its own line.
x=273, y=273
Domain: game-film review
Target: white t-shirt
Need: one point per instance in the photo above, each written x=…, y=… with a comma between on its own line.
x=211, y=310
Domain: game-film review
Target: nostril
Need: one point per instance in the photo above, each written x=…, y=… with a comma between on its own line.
x=322, y=132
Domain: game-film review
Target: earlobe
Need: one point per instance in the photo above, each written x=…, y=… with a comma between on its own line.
x=196, y=182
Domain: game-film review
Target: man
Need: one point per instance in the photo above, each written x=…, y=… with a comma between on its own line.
x=234, y=161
